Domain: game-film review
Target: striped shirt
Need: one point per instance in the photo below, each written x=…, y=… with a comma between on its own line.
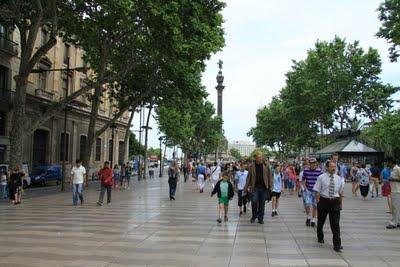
x=310, y=177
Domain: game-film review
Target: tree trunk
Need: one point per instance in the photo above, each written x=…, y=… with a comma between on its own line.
x=18, y=121
x=146, y=133
x=96, y=98
x=127, y=131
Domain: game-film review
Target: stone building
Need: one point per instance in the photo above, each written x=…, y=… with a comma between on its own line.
x=45, y=145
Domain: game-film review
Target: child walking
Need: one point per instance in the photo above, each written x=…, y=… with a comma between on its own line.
x=277, y=189
x=224, y=190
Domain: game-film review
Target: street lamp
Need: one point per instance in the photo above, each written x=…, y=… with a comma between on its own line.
x=161, y=163
x=113, y=127
x=145, y=129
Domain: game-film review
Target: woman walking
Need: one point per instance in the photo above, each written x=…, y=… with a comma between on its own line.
x=117, y=176
x=173, y=176
x=16, y=185
x=363, y=178
x=354, y=179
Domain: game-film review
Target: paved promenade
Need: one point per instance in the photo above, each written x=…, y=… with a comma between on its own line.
x=143, y=228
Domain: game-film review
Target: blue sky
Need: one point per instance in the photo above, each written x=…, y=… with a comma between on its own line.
x=262, y=38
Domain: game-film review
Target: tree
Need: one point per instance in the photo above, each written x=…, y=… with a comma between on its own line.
x=389, y=15
x=384, y=134
x=235, y=153
x=134, y=147
x=336, y=84
x=153, y=152
x=29, y=17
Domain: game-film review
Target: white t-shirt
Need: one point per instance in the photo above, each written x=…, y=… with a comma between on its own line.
x=241, y=178
x=77, y=174
x=215, y=172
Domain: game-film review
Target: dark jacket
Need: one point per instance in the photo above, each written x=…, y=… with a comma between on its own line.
x=173, y=175
x=217, y=190
x=251, y=179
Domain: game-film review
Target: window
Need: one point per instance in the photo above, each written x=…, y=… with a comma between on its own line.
x=62, y=158
x=64, y=85
x=82, y=146
x=98, y=149
x=3, y=80
x=110, y=150
x=43, y=37
x=2, y=123
x=66, y=54
x=42, y=80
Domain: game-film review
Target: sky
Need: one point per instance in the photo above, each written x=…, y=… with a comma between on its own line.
x=262, y=39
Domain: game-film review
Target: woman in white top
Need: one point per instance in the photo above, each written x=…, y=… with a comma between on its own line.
x=215, y=174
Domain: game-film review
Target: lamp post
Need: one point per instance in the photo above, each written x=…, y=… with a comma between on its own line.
x=161, y=163
x=140, y=142
x=113, y=127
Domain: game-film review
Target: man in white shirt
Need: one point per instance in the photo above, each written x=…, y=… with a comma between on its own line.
x=77, y=178
x=240, y=182
x=329, y=188
x=215, y=174
x=395, y=193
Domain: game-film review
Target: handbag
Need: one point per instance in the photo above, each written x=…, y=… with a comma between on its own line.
x=268, y=195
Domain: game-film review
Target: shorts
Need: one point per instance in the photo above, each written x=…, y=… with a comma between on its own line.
x=309, y=198
x=242, y=198
x=276, y=194
x=386, y=190
x=223, y=200
x=291, y=184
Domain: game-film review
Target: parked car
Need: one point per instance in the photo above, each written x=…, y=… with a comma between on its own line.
x=46, y=173
x=25, y=169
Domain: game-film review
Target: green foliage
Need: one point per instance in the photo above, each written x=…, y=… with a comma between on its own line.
x=235, y=153
x=134, y=147
x=389, y=15
x=336, y=84
x=384, y=134
x=153, y=152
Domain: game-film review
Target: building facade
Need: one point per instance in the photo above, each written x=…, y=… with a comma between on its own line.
x=46, y=144
x=245, y=148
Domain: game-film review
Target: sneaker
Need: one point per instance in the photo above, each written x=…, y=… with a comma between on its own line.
x=99, y=204
x=219, y=220
x=276, y=213
x=261, y=221
x=312, y=224
x=321, y=241
x=252, y=220
x=308, y=222
x=391, y=226
x=339, y=249
x=226, y=218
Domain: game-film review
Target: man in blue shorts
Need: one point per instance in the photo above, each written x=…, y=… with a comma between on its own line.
x=310, y=176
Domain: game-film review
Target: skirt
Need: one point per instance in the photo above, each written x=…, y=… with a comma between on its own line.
x=364, y=189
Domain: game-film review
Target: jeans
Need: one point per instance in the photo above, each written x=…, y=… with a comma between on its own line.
x=4, y=193
x=77, y=191
x=102, y=192
x=172, y=188
x=329, y=207
x=258, y=198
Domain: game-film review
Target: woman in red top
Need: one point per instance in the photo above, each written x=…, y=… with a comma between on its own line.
x=106, y=176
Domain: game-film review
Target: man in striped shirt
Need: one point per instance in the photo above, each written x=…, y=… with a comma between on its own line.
x=310, y=176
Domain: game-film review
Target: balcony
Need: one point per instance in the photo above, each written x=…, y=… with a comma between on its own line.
x=102, y=111
x=8, y=46
x=44, y=94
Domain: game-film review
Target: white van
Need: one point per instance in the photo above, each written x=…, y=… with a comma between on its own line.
x=25, y=169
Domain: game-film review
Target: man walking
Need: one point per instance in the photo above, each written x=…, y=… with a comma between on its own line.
x=329, y=188
x=395, y=193
x=258, y=184
x=106, y=178
x=215, y=174
x=310, y=176
x=201, y=175
x=77, y=178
